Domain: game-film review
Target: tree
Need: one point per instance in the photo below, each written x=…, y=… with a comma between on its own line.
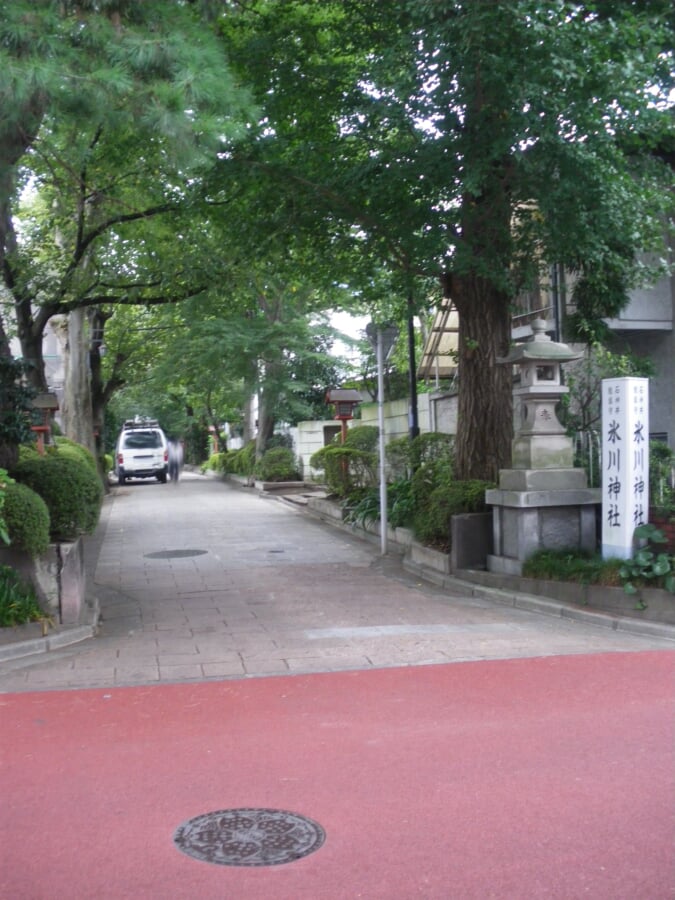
x=474, y=143
x=109, y=116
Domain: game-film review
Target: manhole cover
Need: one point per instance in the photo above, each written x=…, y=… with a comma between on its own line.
x=174, y=554
x=249, y=837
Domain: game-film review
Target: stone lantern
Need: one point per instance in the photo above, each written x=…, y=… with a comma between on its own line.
x=345, y=401
x=542, y=502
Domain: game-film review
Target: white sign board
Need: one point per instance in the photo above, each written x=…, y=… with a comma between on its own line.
x=625, y=463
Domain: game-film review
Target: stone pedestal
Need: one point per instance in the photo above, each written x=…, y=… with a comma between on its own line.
x=543, y=502
x=526, y=520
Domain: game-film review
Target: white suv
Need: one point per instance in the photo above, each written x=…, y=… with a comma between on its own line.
x=142, y=451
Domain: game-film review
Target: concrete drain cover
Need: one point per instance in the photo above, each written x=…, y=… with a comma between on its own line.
x=174, y=554
x=249, y=837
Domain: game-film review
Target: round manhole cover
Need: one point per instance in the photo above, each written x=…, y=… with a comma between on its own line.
x=174, y=554
x=249, y=837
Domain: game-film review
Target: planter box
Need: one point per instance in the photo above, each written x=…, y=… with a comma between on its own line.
x=432, y=559
x=58, y=578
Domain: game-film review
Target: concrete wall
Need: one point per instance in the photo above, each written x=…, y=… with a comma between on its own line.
x=308, y=437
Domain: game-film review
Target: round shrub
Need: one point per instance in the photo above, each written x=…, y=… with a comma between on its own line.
x=277, y=464
x=27, y=519
x=66, y=447
x=71, y=489
x=362, y=437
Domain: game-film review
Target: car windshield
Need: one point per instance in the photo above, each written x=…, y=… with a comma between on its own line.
x=142, y=440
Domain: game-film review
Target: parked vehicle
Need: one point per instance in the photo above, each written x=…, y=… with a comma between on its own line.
x=142, y=451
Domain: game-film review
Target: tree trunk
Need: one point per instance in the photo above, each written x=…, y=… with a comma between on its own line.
x=77, y=410
x=485, y=386
x=266, y=423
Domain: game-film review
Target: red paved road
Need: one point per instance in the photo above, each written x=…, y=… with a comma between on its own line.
x=523, y=778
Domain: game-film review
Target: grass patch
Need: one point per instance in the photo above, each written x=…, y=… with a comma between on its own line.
x=569, y=565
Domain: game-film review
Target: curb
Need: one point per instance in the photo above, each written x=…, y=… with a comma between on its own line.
x=543, y=605
x=36, y=646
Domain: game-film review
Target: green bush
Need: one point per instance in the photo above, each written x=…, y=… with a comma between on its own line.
x=66, y=447
x=436, y=501
x=277, y=464
x=346, y=469
x=28, y=451
x=215, y=462
x=26, y=518
x=241, y=462
x=18, y=603
x=661, y=488
x=405, y=456
x=362, y=437
x=573, y=565
x=71, y=489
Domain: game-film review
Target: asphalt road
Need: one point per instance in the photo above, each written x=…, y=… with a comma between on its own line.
x=432, y=745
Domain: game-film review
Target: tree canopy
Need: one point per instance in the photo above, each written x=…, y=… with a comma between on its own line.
x=473, y=143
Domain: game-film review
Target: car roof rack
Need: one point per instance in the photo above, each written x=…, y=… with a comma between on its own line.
x=140, y=422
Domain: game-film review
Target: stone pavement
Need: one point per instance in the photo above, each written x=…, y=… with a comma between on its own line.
x=205, y=581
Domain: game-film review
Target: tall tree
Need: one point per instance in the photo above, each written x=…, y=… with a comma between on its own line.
x=476, y=143
x=110, y=111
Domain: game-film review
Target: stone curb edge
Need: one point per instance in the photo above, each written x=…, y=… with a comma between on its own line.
x=543, y=605
x=34, y=646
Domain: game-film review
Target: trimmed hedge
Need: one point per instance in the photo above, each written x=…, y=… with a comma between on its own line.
x=71, y=489
x=277, y=464
x=66, y=447
x=27, y=519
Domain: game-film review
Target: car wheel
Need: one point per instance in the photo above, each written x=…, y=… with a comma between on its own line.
x=162, y=478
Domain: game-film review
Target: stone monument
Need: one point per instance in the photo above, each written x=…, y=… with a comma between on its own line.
x=543, y=502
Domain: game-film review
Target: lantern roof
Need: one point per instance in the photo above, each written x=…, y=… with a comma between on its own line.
x=540, y=349
x=343, y=395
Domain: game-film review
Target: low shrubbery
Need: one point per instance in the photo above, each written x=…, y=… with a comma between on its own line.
x=18, y=603
x=277, y=464
x=424, y=501
x=70, y=488
x=351, y=467
x=26, y=519
x=72, y=450
x=573, y=565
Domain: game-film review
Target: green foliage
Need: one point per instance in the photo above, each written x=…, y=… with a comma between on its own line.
x=15, y=409
x=5, y=483
x=346, y=469
x=447, y=498
x=362, y=507
x=572, y=565
x=73, y=450
x=239, y=462
x=661, y=486
x=400, y=508
x=71, y=490
x=648, y=565
x=405, y=456
x=277, y=464
x=216, y=462
x=362, y=437
x=580, y=407
x=18, y=603
x=26, y=519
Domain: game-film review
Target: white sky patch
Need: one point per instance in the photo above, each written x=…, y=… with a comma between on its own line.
x=351, y=325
